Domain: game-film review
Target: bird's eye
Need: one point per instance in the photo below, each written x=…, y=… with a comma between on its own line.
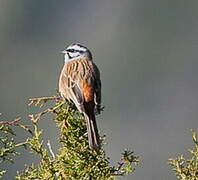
x=71, y=50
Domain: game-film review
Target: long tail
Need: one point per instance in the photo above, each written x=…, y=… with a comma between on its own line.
x=92, y=130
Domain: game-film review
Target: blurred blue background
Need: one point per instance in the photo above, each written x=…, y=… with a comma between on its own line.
x=147, y=53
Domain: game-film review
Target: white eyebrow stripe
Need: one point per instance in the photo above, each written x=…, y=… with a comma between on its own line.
x=78, y=48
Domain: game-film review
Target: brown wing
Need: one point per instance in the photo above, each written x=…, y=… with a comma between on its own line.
x=77, y=82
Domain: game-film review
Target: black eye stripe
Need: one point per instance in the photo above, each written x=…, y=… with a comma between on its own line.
x=74, y=50
x=70, y=50
x=80, y=51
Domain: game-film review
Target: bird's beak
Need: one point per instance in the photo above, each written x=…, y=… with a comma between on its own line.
x=64, y=51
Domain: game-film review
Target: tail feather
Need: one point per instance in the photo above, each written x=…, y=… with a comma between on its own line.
x=92, y=129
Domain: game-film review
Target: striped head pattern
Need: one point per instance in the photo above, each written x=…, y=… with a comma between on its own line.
x=76, y=51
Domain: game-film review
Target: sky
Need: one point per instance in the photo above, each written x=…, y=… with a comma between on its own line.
x=147, y=54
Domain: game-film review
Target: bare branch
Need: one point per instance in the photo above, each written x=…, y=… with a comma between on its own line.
x=14, y=122
x=50, y=149
x=35, y=117
x=43, y=100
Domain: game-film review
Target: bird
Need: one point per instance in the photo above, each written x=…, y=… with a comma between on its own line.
x=79, y=82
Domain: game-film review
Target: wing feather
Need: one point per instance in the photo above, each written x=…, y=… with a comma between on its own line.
x=80, y=82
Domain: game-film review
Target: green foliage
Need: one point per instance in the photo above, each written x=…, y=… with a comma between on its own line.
x=74, y=160
x=7, y=143
x=187, y=168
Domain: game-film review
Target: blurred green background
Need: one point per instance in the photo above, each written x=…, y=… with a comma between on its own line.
x=147, y=53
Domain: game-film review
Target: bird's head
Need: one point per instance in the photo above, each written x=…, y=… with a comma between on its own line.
x=76, y=51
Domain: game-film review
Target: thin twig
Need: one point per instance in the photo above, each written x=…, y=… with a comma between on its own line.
x=50, y=149
x=14, y=122
x=116, y=171
x=45, y=98
x=39, y=99
x=25, y=127
x=20, y=144
x=36, y=117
